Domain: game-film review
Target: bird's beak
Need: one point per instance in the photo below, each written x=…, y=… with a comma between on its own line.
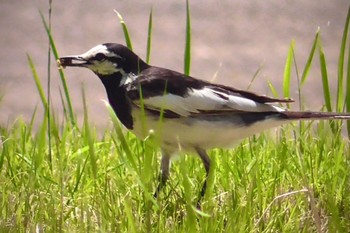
x=78, y=61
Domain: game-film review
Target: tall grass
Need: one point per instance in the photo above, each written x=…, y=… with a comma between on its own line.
x=288, y=180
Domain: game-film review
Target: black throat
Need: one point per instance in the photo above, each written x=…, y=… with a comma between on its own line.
x=118, y=99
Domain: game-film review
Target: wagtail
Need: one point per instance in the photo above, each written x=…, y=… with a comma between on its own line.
x=185, y=114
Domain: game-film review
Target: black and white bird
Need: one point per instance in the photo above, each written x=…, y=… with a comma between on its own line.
x=195, y=115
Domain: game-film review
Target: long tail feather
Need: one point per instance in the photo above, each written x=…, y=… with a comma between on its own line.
x=316, y=115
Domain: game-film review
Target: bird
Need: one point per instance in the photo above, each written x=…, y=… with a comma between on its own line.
x=187, y=115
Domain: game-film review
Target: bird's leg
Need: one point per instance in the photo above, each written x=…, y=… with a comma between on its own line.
x=206, y=161
x=163, y=177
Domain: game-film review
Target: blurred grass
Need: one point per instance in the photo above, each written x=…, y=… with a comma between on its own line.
x=288, y=180
x=324, y=75
x=125, y=30
x=67, y=99
x=345, y=45
x=149, y=36
x=187, y=56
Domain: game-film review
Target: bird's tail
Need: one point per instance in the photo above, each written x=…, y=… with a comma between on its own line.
x=315, y=115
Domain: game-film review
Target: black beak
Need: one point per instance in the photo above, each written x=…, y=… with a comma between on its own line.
x=78, y=61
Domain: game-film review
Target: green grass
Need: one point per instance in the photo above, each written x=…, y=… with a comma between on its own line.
x=293, y=179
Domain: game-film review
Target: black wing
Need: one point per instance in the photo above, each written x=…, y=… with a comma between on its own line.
x=166, y=90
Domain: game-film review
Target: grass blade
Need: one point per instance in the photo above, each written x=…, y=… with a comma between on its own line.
x=191, y=218
x=254, y=77
x=340, y=92
x=309, y=60
x=149, y=36
x=37, y=82
x=287, y=71
x=324, y=75
x=49, y=89
x=40, y=140
x=297, y=78
x=187, y=60
x=90, y=142
x=272, y=89
x=130, y=216
x=63, y=79
x=125, y=30
x=121, y=137
x=347, y=98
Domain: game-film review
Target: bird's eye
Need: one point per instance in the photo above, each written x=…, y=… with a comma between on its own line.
x=100, y=57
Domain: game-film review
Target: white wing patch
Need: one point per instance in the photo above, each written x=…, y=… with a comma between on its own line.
x=206, y=99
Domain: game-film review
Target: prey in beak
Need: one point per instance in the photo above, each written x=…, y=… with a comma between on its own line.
x=78, y=61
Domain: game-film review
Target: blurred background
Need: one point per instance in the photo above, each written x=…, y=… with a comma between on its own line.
x=231, y=40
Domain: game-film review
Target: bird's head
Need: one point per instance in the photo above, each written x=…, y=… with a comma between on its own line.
x=106, y=60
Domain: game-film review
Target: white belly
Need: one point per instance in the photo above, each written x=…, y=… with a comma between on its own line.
x=188, y=133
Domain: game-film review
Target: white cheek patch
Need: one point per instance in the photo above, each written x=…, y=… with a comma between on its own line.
x=104, y=67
